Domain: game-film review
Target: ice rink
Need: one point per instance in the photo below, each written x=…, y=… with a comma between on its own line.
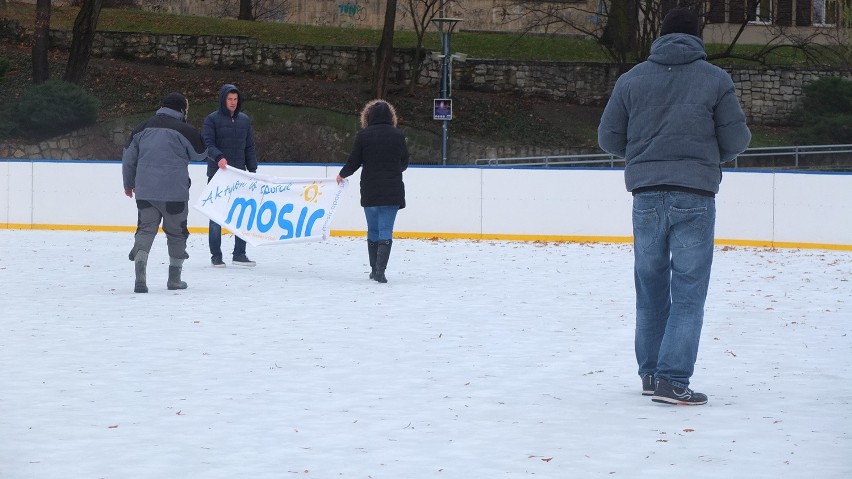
x=478, y=360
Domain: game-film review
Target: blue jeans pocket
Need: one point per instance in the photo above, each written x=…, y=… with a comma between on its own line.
x=646, y=227
x=691, y=226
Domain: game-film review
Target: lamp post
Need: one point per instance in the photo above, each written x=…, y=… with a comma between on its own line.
x=446, y=27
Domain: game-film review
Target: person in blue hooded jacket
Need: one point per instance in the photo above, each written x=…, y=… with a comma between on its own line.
x=675, y=119
x=381, y=153
x=228, y=134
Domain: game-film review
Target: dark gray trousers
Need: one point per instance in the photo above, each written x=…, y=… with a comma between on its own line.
x=173, y=215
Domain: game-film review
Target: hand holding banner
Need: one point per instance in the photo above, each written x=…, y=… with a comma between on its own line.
x=266, y=209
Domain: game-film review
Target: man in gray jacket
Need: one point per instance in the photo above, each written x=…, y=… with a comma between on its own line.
x=155, y=167
x=675, y=119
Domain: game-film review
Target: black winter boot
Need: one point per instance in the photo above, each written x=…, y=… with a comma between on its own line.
x=175, y=268
x=140, y=261
x=372, y=248
x=382, y=256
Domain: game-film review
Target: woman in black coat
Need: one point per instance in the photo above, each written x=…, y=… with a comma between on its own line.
x=380, y=150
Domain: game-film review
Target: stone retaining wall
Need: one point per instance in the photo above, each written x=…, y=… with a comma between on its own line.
x=87, y=143
x=769, y=95
x=106, y=140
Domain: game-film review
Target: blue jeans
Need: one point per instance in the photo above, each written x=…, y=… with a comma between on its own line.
x=380, y=222
x=673, y=252
x=215, y=240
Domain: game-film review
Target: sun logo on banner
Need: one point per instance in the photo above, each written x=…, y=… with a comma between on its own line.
x=312, y=193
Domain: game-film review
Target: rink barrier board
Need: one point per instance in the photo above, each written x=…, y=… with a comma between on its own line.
x=758, y=209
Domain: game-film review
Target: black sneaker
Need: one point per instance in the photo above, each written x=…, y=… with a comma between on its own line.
x=242, y=260
x=667, y=393
x=648, y=385
x=217, y=262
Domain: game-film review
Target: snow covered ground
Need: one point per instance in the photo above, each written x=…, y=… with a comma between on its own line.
x=478, y=360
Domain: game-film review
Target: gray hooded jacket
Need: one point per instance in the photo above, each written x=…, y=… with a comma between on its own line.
x=674, y=118
x=156, y=158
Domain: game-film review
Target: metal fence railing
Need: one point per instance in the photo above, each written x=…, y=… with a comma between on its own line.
x=795, y=156
x=596, y=159
x=836, y=157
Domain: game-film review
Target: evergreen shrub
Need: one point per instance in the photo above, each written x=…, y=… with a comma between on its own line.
x=53, y=108
x=826, y=113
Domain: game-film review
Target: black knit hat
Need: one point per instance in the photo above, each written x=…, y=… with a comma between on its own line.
x=681, y=20
x=176, y=102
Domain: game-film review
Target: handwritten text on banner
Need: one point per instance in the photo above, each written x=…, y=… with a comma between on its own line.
x=265, y=209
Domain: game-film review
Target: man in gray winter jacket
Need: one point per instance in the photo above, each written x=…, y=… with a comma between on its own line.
x=155, y=168
x=675, y=119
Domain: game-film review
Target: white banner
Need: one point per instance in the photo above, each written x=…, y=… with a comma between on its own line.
x=266, y=209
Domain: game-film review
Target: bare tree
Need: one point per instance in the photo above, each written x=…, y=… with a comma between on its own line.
x=245, y=10
x=384, y=53
x=422, y=12
x=620, y=35
x=260, y=10
x=625, y=29
x=81, y=45
x=272, y=10
x=827, y=45
x=41, y=42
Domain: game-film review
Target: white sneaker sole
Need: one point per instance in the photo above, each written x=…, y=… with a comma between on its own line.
x=676, y=402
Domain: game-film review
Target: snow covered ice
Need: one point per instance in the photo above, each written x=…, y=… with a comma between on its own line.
x=478, y=360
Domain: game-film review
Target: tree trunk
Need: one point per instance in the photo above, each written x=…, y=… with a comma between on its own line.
x=621, y=31
x=81, y=45
x=41, y=42
x=421, y=21
x=384, y=54
x=245, y=10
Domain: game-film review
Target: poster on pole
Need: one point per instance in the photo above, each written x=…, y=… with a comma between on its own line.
x=265, y=209
x=442, y=109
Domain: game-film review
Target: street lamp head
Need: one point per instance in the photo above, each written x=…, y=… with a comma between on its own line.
x=448, y=23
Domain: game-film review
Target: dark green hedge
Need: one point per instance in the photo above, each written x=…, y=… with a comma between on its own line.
x=826, y=113
x=52, y=108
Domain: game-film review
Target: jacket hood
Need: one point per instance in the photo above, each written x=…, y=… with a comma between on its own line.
x=380, y=113
x=677, y=49
x=223, y=93
x=164, y=110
